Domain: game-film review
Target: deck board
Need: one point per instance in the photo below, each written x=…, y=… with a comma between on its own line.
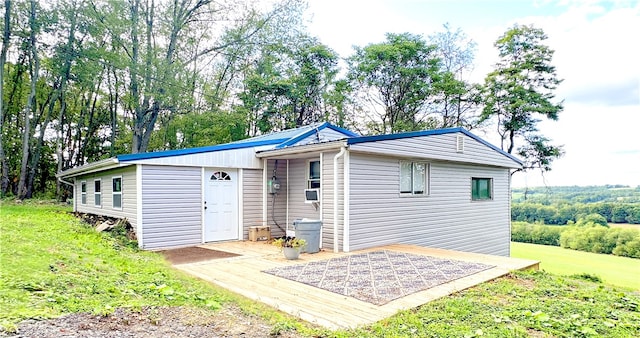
x=243, y=275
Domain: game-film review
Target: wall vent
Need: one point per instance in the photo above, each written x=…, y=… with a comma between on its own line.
x=460, y=143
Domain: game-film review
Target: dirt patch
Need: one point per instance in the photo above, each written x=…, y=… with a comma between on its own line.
x=170, y=322
x=194, y=254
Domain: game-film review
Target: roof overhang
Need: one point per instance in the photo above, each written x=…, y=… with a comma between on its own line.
x=107, y=164
x=302, y=150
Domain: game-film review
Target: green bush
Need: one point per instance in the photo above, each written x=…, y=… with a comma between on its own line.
x=536, y=233
x=596, y=219
x=587, y=237
x=620, y=242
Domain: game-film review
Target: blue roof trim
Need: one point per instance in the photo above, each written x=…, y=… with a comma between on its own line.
x=310, y=132
x=363, y=139
x=189, y=151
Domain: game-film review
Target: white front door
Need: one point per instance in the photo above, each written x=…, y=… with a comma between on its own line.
x=221, y=205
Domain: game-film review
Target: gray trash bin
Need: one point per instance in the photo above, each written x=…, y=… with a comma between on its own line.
x=309, y=230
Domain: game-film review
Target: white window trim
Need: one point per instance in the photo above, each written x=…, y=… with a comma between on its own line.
x=97, y=193
x=427, y=179
x=83, y=194
x=113, y=193
x=308, y=171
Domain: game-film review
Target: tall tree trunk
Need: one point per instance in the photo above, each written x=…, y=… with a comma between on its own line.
x=24, y=191
x=137, y=109
x=6, y=34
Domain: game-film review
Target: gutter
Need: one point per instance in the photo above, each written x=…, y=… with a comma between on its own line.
x=343, y=150
x=91, y=167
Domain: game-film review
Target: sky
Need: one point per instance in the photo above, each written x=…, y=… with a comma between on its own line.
x=597, y=53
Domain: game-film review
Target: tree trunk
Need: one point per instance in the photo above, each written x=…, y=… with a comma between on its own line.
x=4, y=166
x=24, y=191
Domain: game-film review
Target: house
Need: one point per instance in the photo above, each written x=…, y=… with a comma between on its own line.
x=444, y=188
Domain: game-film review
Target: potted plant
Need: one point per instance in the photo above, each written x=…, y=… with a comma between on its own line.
x=291, y=246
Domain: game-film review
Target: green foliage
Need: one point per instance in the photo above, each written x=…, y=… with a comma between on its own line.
x=292, y=84
x=75, y=269
x=562, y=205
x=399, y=75
x=88, y=274
x=523, y=304
x=586, y=235
x=613, y=270
x=536, y=234
x=520, y=91
x=592, y=219
x=622, y=242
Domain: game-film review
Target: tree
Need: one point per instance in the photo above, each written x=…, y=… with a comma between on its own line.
x=394, y=80
x=519, y=92
x=291, y=85
x=24, y=190
x=6, y=34
x=456, y=100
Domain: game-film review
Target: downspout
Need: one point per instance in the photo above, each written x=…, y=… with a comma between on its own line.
x=65, y=182
x=335, y=198
x=73, y=188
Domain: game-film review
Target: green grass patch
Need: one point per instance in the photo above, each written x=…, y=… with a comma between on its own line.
x=54, y=264
x=621, y=271
x=523, y=304
x=625, y=226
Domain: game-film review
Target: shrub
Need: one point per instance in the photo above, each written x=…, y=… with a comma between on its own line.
x=536, y=233
x=620, y=242
x=596, y=219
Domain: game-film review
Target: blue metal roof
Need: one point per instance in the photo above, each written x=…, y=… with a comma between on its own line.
x=219, y=147
x=312, y=129
x=279, y=139
x=363, y=139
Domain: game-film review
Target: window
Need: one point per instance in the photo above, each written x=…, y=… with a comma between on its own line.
x=97, y=193
x=83, y=192
x=117, y=192
x=314, y=175
x=481, y=189
x=220, y=176
x=414, y=178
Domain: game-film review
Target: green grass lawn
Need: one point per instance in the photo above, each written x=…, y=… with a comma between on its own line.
x=53, y=264
x=622, y=271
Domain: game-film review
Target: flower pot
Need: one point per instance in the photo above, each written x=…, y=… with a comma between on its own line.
x=291, y=253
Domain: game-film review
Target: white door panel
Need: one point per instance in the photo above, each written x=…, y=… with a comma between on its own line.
x=221, y=205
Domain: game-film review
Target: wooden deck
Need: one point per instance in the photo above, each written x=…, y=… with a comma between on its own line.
x=242, y=274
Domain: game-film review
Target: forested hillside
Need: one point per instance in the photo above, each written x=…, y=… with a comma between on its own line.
x=84, y=80
x=563, y=205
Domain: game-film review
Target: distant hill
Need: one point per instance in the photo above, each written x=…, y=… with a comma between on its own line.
x=577, y=194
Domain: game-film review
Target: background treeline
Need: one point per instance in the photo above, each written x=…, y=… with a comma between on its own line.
x=565, y=205
x=584, y=236
x=84, y=80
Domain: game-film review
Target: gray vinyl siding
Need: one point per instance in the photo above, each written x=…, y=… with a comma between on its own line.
x=298, y=173
x=252, y=200
x=280, y=199
x=327, y=200
x=447, y=218
x=438, y=147
x=292, y=186
x=171, y=206
x=129, y=194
